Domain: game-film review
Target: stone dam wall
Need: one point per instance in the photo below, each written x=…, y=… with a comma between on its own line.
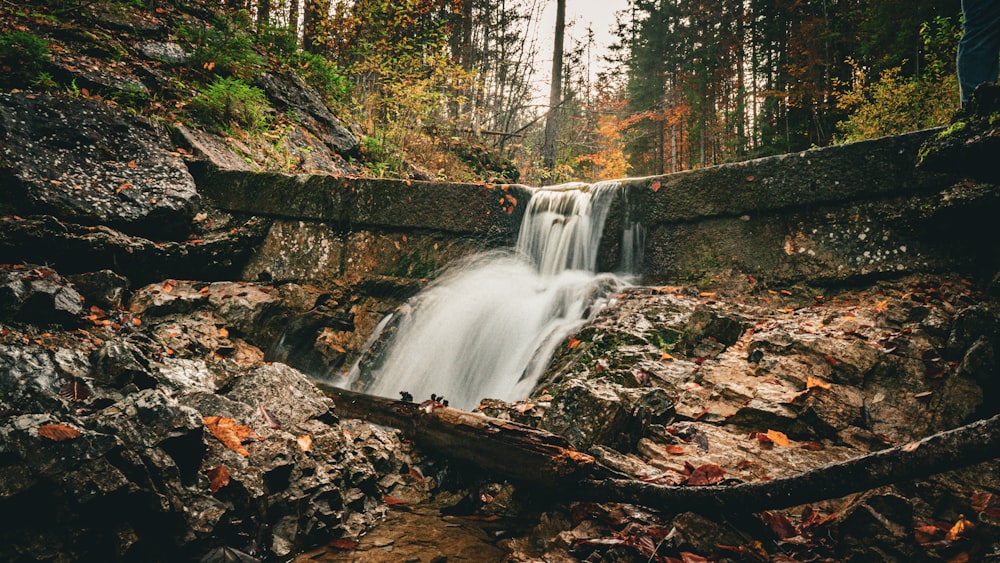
x=827, y=215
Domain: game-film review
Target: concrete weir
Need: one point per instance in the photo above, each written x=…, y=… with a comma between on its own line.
x=825, y=215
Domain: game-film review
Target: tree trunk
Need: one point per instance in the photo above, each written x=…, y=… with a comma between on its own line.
x=314, y=22
x=263, y=15
x=944, y=451
x=555, y=90
x=293, y=18
x=540, y=458
x=506, y=448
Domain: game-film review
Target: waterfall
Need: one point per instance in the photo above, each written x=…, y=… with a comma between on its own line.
x=489, y=325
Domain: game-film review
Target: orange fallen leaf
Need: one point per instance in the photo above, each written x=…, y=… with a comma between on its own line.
x=655, y=185
x=218, y=477
x=573, y=343
x=58, y=432
x=959, y=528
x=305, y=442
x=231, y=435
x=817, y=382
x=882, y=306
x=667, y=357
x=674, y=449
x=223, y=332
x=778, y=438
x=132, y=164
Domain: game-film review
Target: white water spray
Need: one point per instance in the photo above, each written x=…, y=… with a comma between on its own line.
x=488, y=326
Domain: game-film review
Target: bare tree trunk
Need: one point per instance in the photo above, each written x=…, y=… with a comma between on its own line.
x=555, y=91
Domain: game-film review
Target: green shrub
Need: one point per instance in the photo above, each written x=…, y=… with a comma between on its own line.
x=21, y=56
x=319, y=72
x=230, y=101
x=222, y=48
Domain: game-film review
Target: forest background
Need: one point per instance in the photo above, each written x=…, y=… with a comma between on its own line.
x=687, y=83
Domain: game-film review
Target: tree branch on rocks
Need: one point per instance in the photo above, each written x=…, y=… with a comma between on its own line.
x=538, y=457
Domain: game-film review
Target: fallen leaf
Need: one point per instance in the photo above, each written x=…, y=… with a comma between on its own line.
x=817, y=382
x=132, y=164
x=392, y=500
x=218, y=477
x=223, y=332
x=344, y=544
x=881, y=306
x=305, y=442
x=523, y=407
x=927, y=534
x=231, y=435
x=960, y=527
x=830, y=360
x=778, y=438
x=911, y=446
x=655, y=185
x=58, y=432
x=779, y=524
x=707, y=474
x=666, y=357
x=75, y=390
x=573, y=343
x=674, y=449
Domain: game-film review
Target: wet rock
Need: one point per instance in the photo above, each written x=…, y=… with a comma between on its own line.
x=693, y=532
x=73, y=248
x=164, y=51
x=596, y=412
x=971, y=324
x=707, y=322
x=38, y=294
x=103, y=288
x=108, y=435
x=289, y=92
x=966, y=146
x=83, y=160
x=878, y=527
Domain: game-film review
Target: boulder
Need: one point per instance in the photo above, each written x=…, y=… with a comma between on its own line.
x=83, y=160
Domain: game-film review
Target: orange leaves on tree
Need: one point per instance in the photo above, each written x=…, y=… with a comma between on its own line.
x=232, y=435
x=58, y=432
x=218, y=477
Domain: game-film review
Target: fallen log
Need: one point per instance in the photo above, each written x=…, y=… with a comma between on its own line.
x=503, y=447
x=538, y=457
x=952, y=449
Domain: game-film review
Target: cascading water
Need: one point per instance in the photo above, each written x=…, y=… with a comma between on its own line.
x=488, y=326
